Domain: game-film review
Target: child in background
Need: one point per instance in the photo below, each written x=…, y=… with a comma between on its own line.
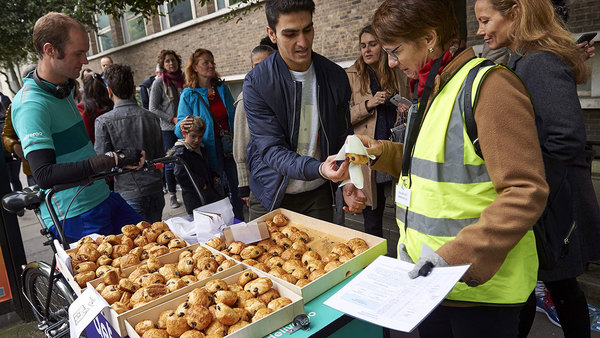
x=192, y=151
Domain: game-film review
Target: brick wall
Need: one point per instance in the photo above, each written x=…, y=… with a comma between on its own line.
x=337, y=24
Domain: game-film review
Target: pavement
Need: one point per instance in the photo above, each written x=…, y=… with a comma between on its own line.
x=12, y=326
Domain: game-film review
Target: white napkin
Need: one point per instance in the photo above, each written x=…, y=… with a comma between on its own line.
x=354, y=146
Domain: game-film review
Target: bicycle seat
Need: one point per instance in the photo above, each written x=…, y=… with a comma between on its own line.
x=28, y=198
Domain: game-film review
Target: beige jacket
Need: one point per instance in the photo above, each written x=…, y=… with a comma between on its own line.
x=510, y=146
x=241, y=137
x=364, y=120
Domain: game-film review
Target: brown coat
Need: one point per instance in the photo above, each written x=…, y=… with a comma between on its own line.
x=509, y=143
x=10, y=139
x=364, y=121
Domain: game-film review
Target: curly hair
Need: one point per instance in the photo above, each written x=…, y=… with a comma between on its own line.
x=163, y=54
x=191, y=77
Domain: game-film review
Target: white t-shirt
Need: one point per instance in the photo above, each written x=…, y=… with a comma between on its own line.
x=308, y=131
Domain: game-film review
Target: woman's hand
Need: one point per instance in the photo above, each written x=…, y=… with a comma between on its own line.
x=378, y=98
x=186, y=123
x=588, y=49
x=373, y=146
x=354, y=198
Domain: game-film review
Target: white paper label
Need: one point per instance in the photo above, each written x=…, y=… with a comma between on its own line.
x=403, y=195
x=246, y=232
x=84, y=309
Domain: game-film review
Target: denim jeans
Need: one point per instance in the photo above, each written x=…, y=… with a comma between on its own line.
x=150, y=207
x=169, y=140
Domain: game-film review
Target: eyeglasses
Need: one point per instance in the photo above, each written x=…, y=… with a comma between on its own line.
x=392, y=52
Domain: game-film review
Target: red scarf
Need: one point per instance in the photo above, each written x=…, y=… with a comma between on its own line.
x=424, y=72
x=176, y=78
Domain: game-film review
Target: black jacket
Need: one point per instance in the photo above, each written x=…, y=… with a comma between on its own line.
x=145, y=91
x=272, y=100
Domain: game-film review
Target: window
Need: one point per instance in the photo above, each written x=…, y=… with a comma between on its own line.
x=105, y=40
x=176, y=14
x=135, y=26
x=225, y=3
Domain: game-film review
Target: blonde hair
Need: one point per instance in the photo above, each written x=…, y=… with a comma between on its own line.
x=388, y=79
x=537, y=27
x=191, y=77
x=198, y=125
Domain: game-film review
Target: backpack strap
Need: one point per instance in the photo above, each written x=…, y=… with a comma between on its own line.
x=468, y=106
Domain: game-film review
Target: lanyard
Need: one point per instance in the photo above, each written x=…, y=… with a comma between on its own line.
x=416, y=116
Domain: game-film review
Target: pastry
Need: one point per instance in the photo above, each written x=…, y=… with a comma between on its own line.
x=316, y=274
x=128, y=242
x=330, y=257
x=259, y=286
x=215, y=285
x=201, y=251
x=264, y=257
x=126, y=297
x=165, y=237
x=119, y=250
x=100, y=287
x=315, y=265
x=116, y=263
x=207, y=263
x=185, y=266
x=158, y=250
x=225, y=314
x=175, y=284
x=261, y=313
x=105, y=249
x=262, y=267
x=226, y=297
x=301, y=273
x=310, y=256
x=127, y=285
x=243, y=296
x=235, y=288
x=111, y=294
x=112, y=239
x=162, y=318
x=130, y=231
x=246, y=276
x=237, y=326
x=84, y=240
x=216, y=243
x=140, y=241
x=142, y=225
x=265, y=244
x=332, y=265
x=91, y=249
x=154, y=291
x=301, y=236
x=110, y=277
x=253, y=305
x=357, y=158
x=277, y=272
x=84, y=277
x=119, y=307
x=189, y=279
x=359, y=249
x=177, y=325
x=289, y=231
x=160, y=227
x=137, y=298
x=85, y=267
x=278, y=303
x=182, y=309
x=346, y=257
x=280, y=220
x=155, y=333
x=251, y=251
x=288, y=277
x=291, y=254
x=216, y=328
x=151, y=278
x=285, y=243
x=268, y=296
x=300, y=246
x=192, y=334
x=302, y=282
x=200, y=297
x=150, y=235
x=203, y=274
x=104, y=260
x=275, y=261
x=292, y=265
x=356, y=242
x=128, y=260
x=136, y=251
x=272, y=227
x=138, y=272
x=235, y=248
x=153, y=264
x=225, y=265
x=169, y=271
x=144, y=326
x=198, y=317
x=176, y=243
x=186, y=253
x=276, y=250
x=340, y=249
x=243, y=313
x=218, y=257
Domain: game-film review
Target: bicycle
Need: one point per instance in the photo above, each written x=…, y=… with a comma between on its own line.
x=44, y=286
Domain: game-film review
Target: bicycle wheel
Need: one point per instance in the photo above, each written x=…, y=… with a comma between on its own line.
x=36, y=281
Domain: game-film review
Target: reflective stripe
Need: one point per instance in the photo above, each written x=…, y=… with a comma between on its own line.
x=446, y=227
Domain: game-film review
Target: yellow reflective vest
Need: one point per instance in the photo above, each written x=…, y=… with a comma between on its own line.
x=449, y=189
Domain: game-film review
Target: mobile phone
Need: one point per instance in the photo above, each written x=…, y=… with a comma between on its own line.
x=587, y=37
x=397, y=99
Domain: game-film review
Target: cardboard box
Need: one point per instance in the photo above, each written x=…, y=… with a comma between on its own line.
x=323, y=236
x=260, y=328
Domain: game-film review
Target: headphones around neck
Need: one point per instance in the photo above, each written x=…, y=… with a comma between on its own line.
x=60, y=91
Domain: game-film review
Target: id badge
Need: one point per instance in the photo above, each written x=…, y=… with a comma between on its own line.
x=403, y=195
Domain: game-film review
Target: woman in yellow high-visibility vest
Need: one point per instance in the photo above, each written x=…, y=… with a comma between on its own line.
x=471, y=202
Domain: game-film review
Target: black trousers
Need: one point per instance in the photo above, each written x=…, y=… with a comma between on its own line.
x=471, y=322
x=373, y=218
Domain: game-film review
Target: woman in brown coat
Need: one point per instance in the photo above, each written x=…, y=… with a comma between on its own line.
x=373, y=82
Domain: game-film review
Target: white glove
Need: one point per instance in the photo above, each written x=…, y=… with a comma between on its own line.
x=424, y=265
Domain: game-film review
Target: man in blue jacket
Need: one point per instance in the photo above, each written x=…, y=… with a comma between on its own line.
x=297, y=103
